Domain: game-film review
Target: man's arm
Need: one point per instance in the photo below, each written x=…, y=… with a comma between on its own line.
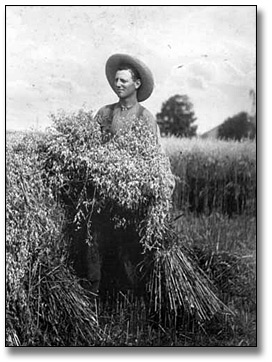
x=154, y=127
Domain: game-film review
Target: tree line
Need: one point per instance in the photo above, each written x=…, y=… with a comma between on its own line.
x=177, y=117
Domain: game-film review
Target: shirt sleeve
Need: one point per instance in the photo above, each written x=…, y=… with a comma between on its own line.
x=151, y=121
x=99, y=116
x=103, y=119
x=154, y=127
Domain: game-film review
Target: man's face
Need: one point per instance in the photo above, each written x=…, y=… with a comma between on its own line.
x=125, y=86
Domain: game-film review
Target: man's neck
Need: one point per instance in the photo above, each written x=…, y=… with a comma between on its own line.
x=128, y=102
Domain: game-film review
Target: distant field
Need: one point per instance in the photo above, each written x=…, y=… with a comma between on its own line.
x=214, y=175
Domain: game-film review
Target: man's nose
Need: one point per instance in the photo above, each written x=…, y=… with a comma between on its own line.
x=117, y=83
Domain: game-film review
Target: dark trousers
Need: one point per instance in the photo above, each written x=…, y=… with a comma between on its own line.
x=113, y=259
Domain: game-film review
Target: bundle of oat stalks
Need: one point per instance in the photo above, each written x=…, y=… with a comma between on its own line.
x=127, y=182
x=45, y=304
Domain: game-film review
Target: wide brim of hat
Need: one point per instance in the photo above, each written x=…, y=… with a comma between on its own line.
x=116, y=60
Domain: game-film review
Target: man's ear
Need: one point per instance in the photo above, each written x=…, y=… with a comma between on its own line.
x=138, y=83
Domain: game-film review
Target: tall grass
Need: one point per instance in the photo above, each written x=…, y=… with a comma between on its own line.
x=213, y=175
x=225, y=248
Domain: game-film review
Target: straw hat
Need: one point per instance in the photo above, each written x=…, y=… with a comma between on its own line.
x=147, y=81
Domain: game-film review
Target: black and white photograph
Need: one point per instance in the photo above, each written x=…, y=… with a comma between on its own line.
x=130, y=176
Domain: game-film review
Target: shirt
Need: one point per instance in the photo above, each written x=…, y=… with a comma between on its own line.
x=114, y=117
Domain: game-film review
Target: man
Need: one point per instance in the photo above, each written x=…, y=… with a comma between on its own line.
x=118, y=253
x=132, y=82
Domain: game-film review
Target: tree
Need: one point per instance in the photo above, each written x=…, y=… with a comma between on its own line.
x=177, y=116
x=237, y=127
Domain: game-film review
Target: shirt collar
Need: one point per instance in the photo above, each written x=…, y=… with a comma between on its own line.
x=126, y=108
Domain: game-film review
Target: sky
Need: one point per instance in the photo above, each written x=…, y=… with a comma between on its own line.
x=56, y=55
